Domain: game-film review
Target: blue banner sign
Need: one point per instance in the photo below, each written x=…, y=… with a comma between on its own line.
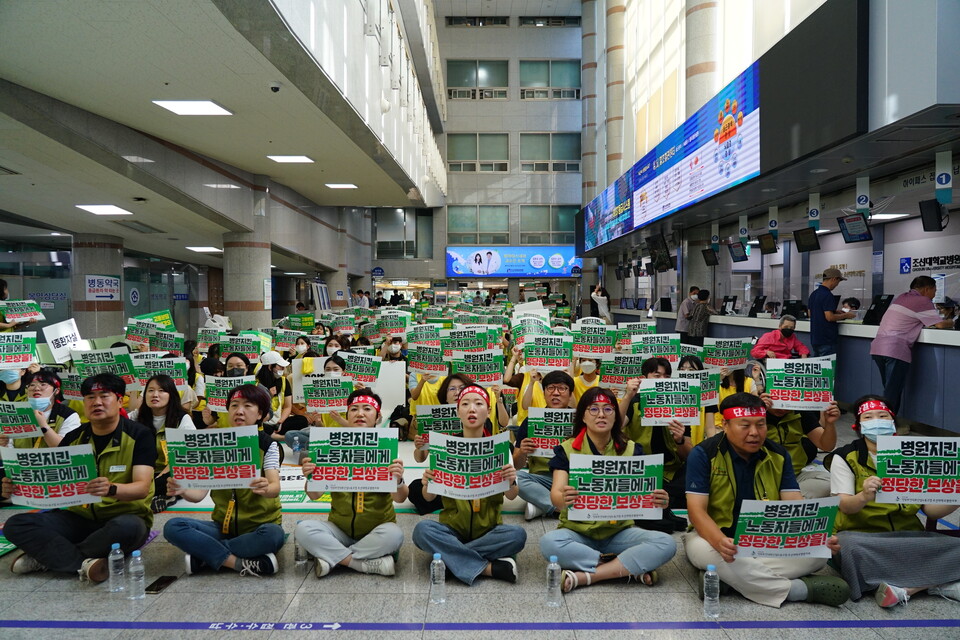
x=503, y=262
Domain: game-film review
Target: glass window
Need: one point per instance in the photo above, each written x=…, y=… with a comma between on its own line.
x=564, y=216
x=534, y=218
x=563, y=73
x=566, y=146
x=461, y=218
x=461, y=73
x=492, y=73
x=493, y=146
x=461, y=146
x=494, y=218
x=534, y=73
x=534, y=147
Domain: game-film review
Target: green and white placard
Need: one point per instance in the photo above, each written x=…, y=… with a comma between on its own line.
x=616, y=369
x=726, y=352
x=659, y=345
x=218, y=388
x=665, y=400
x=437, y=418
x=301, y=322
x=353, y=460
x=248, y=345
x=19, y=420
x=426, y=360
x=593, y=340
x=485, y=367
x=801, y=385
x=50, y=478
x=548, y=353
x=468, y=468
x=324, y=394
x=615, y=487
x=117, y=361
x=709, y=379
x=214, y=458
x=361, y=367
x=18, y=349
x=918, y=470
x=20, y=311
x=169, y=341
x=548, y=427
x=785, y=528
x=626, y=331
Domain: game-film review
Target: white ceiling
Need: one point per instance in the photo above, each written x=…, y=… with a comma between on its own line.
x=507, y=7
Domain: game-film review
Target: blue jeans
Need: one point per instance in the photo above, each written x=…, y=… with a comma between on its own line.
x=639, y=550
x=817, y=350
x=535, y=489
x=203, y=539
x=893, y=374
x=467, y=560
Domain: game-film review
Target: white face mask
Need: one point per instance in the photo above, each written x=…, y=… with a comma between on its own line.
x=301, y=348
x=331, y=374
x=588, y=366
x=394, y=348
x=332, y=349
x=694, y=297
x=845, y=309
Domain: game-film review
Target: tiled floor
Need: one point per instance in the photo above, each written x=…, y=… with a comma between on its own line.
x=397, y=607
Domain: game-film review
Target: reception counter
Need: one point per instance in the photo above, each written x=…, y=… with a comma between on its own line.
x=932, y=394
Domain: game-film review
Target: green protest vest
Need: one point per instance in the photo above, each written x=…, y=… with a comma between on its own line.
x=599, y=530
x=471, y=519
x=654, y=440
x=250, y=510
x=114, y=463
x=723, y=484
x=874, y=517
x=58, y=414
x=357, y=514
x=788, y=433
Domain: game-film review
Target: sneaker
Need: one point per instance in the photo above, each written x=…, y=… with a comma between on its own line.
x=532, y=511
x=888, y=595
x=382, y=566
x=158, y=504
x=193, y=564
x=949, y=591
x=259, y=566
x=322, y=568
x=504, y=569
x=23, y=564
x=94, y=570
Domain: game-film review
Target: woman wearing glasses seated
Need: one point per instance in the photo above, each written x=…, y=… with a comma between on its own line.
x=592, y=551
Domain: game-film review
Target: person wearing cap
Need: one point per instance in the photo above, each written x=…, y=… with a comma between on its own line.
x=470, y=534
x=77, y=539
x=875, y=538
x=244, y=533
x=361, y=532
x=781, y=342
x=270, y=375
x=738, y=464
x=43, y=394
x=581, y=547
x=824, y=331
x=534, y=477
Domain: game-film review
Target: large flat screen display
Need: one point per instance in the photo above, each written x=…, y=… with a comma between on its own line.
x=506, y=262
x=609, y=215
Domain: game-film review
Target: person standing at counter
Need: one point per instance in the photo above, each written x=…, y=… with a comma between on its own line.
x=824, y=330
x=780, y=343
x=684, y=310
x=899, y=330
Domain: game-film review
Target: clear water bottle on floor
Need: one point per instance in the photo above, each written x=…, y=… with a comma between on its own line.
x=554, y=575
x=137, y=577
x=711, y=593
x=438, y=580
x=299, y=554
x=115, y=563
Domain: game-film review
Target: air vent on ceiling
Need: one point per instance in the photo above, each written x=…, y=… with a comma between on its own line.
x=138, y=226
x=8, y=172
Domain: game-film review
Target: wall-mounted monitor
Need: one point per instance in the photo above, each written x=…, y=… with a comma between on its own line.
x=806, y=239
x=738, y=253
x=619, y=272
x=637, y=270
x=768, y=244
x=549, y=261
x=854, y=228
x=710, y=257
x=659, y=252
x=628, y=303
x=641, y=303
x=931, y=214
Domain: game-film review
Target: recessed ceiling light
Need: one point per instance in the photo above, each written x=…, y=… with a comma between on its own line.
x=818, y=170
x=291, y=159
x=888, y=216
x=104, y=210
x=731, y=204
x=222, y=186
x=824, y=231
x=273, y=266
x=205, y=249
x=193, y=107
x=137, y=159
x=54, y=233
x=339, y=185
x=294, y=273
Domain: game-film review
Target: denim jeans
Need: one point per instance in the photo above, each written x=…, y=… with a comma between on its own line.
x=639, y=550
x=326, y=541
x=61, y=540
x=203, y=539
x=893, y=374
x=817, y=350
x=535, y=489
x=467, y=559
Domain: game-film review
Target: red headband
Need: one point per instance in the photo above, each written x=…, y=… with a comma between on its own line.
x=603, y=399
x=874, y=405
x=366, y=400
x=473, y=389
x=100, y=387
x=744, y=412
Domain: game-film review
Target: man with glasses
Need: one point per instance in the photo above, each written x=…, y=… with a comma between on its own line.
x=78, y=539
x=534, y=477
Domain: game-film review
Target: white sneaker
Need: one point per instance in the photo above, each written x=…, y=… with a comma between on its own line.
x=949, y=591
x=532, y=511
x=888, y=595
x=322, y=568
x=383, y=566
x=23, y=564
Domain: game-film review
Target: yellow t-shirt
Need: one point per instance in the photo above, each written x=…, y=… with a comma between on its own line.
x=726, y=392
x=537, y=398
x=580, y=386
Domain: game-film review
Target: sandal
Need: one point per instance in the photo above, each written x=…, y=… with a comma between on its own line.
x=570, y=582
x=647, y=579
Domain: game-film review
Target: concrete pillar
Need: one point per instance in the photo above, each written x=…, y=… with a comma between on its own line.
x=338, y=280
x=246, y=264
x=96, y=255
x=616, y=10
x=701, y=45
x=588, y=99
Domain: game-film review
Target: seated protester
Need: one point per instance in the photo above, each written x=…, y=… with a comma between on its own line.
x=13, y=389
x=734, y=381
x=270, y=374
x=332, y=344
x=534, y=477
x=159, y=413
x=739, y=464
x=589, y=378
x=707, y=427
x=781, y=342
x=237, y=366
x=299, y=439
x=300, y=347
x=672, y=440
x=803, y=434
x=582, y=547
x=245, y=532
x=470, y=535
x=43, y=394
x=392, y=350
x=876, y=538
x=361, y=532
x=77, y=539
x=207, y=365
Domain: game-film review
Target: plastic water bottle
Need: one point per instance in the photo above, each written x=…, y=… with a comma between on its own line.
x=438, y=580
x=554, y=574
x=299, y=554
x=115, y=564
x=137, y=575
x=711, y=593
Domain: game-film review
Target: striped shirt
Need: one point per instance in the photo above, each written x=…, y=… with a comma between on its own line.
x=901, y=325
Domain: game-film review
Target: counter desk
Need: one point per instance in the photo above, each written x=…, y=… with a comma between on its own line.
x=932, y=393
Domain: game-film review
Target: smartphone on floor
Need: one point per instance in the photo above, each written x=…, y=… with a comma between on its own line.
x=160, y=584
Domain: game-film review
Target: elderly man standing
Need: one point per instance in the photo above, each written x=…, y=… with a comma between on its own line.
x=684, y=310
x=781, y=342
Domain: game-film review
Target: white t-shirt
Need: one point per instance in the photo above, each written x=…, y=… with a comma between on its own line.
x=70, y=423
x=842, y=479
x=185, y=423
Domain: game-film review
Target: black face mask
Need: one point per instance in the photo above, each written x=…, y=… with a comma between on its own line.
x=239, y=372
x=786, y=332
